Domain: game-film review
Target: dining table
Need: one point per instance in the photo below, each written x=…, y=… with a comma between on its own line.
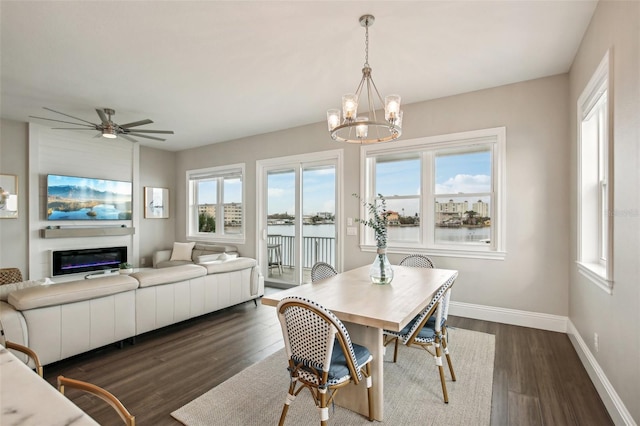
x=366, y=309
x=27, y=399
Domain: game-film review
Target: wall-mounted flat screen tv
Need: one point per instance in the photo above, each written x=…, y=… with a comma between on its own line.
x=82, y=198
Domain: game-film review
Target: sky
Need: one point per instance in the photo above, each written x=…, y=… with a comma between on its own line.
x=117, y=187
x=454, y=174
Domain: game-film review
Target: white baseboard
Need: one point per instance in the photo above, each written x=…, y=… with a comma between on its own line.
x=510, y=316
x=616, y=408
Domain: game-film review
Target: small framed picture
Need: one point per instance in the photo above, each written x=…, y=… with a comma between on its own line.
x=156, y=203
x=8, y=196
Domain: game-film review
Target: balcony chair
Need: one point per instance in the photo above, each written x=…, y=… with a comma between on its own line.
x=321, y=355
x=101, y=393
x=322, y=270
x=427, y=330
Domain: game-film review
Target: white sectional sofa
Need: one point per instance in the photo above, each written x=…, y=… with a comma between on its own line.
x=61, y=320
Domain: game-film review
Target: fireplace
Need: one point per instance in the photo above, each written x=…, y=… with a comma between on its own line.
x=65, y=262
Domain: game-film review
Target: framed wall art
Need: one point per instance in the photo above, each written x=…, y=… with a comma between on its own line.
x=156, y=203
x=8, y=196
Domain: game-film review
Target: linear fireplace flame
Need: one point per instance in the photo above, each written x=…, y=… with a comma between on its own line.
x=65, y=262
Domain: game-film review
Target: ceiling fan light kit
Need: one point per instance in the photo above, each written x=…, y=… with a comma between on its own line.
x=366, y=129
x=107, y=127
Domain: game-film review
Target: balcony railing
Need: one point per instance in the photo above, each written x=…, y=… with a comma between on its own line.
x=315, y=249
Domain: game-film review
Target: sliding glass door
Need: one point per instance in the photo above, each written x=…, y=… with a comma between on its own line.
x=297, y=217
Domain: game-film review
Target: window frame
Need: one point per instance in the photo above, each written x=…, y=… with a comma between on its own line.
x=427, y=147
x=220, y=173
x=594, y=217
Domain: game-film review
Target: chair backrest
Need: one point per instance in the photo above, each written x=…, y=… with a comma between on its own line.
x=417, y=261
x=322, y=270
x=25, y=350
x=310, y=332
x=10, y=275
x=101, y=393
x=434, y=307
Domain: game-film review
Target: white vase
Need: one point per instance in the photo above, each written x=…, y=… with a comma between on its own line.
x=380, y=271
x=126, y=271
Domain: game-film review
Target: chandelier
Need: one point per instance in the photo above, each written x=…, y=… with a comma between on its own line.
x=366, y=129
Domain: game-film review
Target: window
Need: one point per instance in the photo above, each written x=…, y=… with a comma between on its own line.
x=595, y=191
x=443, y=193
x=216, y=200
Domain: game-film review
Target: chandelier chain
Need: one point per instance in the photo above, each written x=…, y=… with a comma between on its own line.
x=366, y=46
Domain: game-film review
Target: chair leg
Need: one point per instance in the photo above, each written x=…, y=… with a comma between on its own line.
x=290, y=397
x=395, y=350
x=441, y=369
x=446, y=353
x=367, y=369
x=322, y=407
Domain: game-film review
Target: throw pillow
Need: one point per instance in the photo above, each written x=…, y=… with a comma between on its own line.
x=227, y=256
x=182, y=251
x=5, y=289
x=207, y=258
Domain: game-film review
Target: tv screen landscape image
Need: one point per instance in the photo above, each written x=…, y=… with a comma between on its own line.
x=82, y=198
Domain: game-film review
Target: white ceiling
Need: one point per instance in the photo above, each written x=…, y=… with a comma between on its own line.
x=214, y=71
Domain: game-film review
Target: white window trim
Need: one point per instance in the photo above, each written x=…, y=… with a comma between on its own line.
x=226, y=238
x=497, y=136
x=599, y=275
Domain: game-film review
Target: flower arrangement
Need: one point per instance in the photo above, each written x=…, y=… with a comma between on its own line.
x=126, y=265
x=380, y=272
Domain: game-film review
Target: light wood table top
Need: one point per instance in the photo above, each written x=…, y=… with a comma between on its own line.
x=352, y=297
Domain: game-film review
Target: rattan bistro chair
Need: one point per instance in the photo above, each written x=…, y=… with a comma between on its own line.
x=428, y=330
x=413, y=261
x=322, y=270
x=321, y=355
x=417, y=261
x=10, y=275
x=101, y=393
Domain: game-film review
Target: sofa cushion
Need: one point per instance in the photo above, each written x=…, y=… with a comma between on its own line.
x=182, y=251
x=74, y=291
x=170, y=263
x=217, y=267
x=151, y=277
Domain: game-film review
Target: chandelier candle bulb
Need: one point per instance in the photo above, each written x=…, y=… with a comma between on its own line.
x=392, y=108
x=333, y=118
x=362, y=129
x=349, y=106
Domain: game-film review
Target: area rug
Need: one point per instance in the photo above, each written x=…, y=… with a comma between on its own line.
x=412, y=392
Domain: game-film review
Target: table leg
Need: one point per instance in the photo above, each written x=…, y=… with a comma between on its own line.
x=355, y=397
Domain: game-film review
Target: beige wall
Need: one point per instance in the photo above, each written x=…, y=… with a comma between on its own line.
x=616, y=317
x=157, y=169
x=14, y=244
x=534, y=275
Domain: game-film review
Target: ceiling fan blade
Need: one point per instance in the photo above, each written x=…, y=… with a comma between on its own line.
x=67, y=115
x=166, y=132
x=102, y=116
x=123, y=136
x=136, y=123
x=145, y=136
x=93, y=126
x=69, y=128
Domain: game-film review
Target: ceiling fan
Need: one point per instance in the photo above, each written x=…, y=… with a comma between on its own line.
x=108, y=128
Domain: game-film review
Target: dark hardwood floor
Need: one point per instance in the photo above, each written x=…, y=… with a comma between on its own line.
x=538, y=378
